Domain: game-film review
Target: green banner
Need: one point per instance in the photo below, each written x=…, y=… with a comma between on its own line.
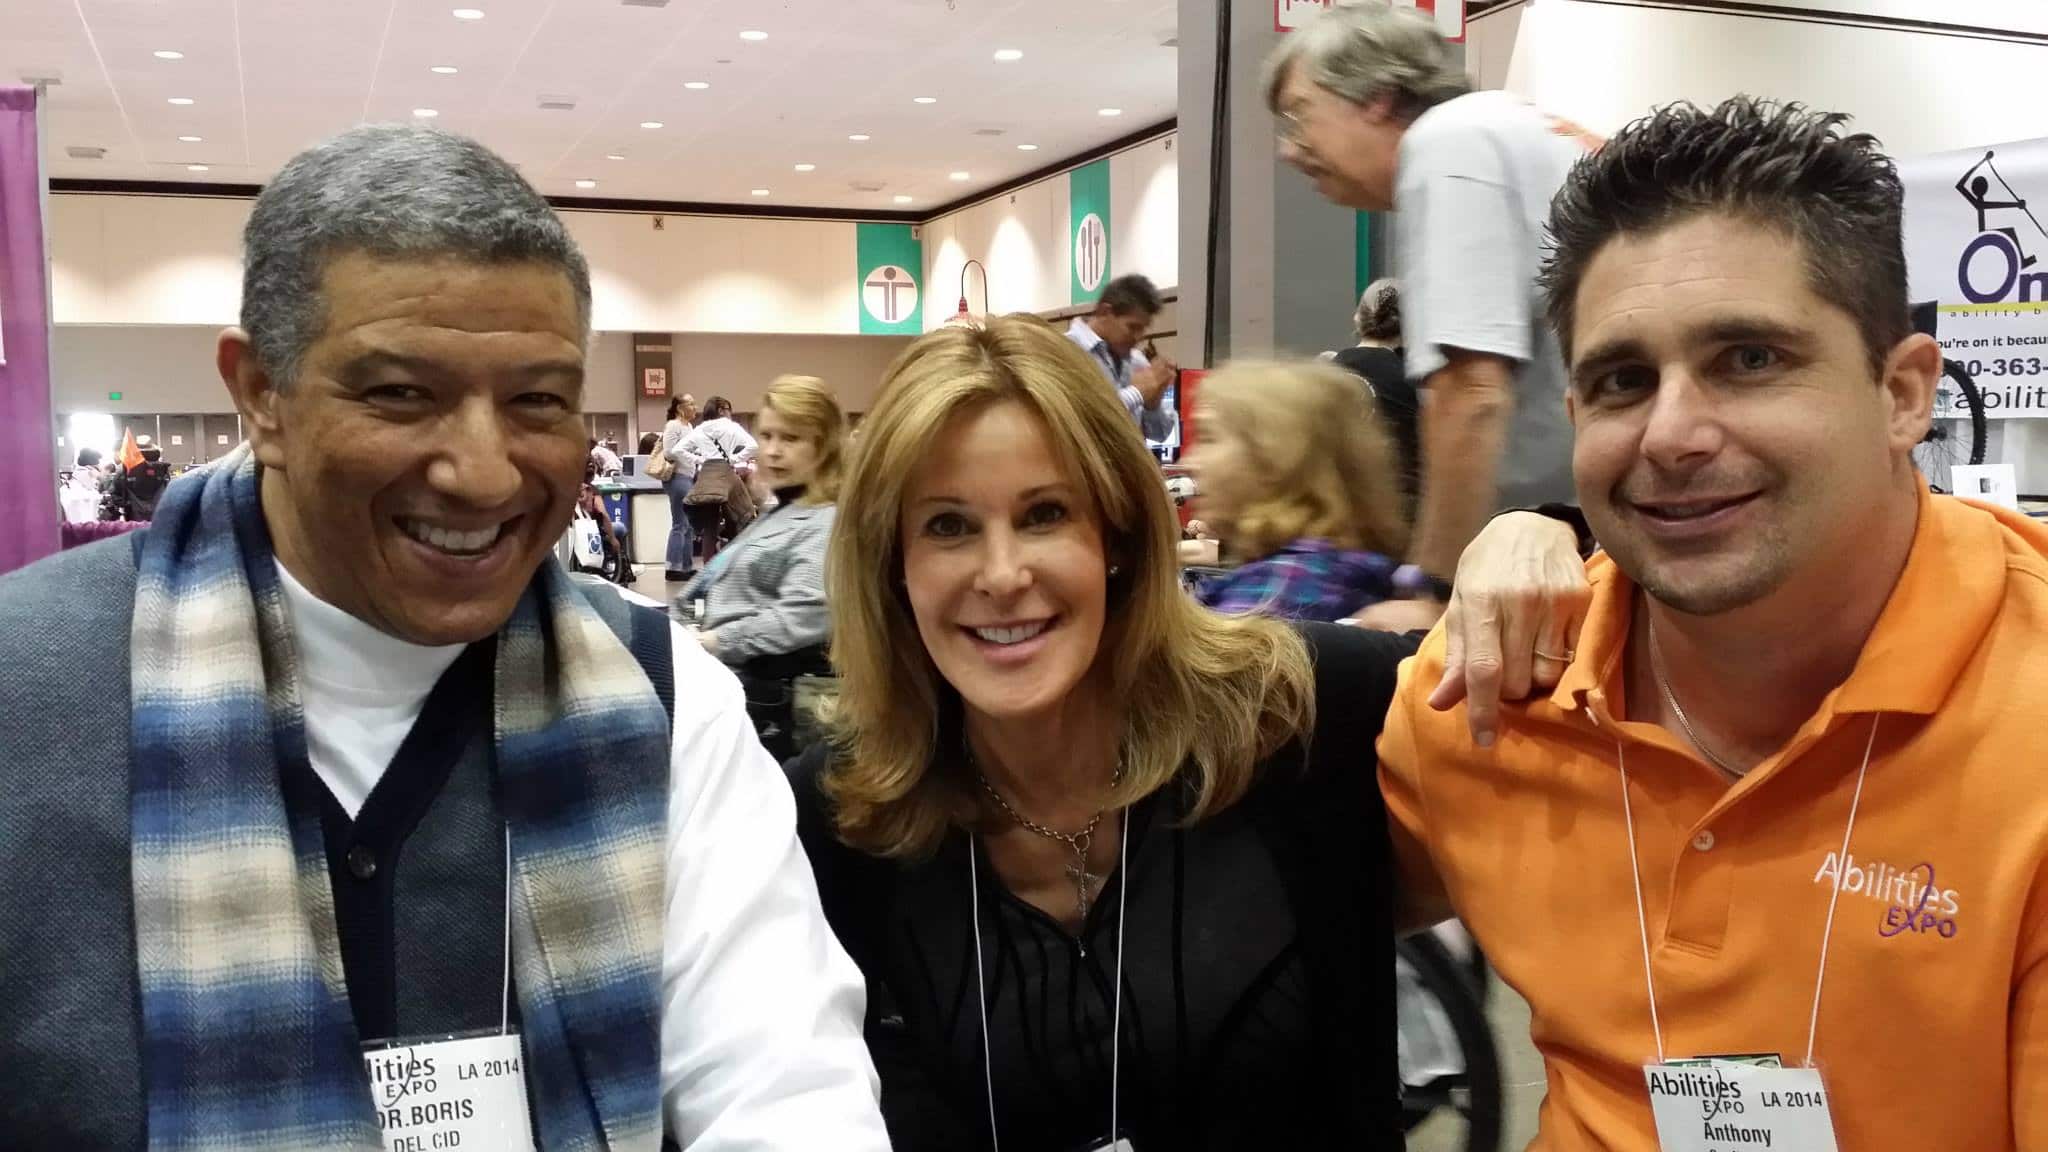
x=891, y=266
x=1362, y=270
x=1088, y=228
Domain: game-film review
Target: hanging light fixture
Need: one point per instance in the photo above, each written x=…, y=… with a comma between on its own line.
x=963, y=318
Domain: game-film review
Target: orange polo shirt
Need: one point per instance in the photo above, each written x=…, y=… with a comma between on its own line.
x=1933, y=1025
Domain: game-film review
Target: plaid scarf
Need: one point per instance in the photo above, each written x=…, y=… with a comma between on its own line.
x=248, y=1042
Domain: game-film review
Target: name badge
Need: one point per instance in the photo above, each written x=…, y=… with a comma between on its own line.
x=1723, y=1106
x=467, y=1093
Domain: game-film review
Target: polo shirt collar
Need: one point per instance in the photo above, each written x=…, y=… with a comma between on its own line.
x=1940, y=609
x=1080, y=333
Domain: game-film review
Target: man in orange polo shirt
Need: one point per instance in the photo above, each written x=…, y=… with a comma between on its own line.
x=1789, y=802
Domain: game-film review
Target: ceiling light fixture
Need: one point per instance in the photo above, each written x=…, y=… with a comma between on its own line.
x=860, y=137
x=195, y=168
x=807, y=167
x=650, y=123
x=426, y=113
x=1027, y=147
x=903, y=199
x=924, y=99
x=760, y=192
x=613, y=156
x=181, y=101
x=696, y=85
x=586, y=183
x=957, y=176
x=1109, y=111
x=963, y=318
x=167, y=54
x=753, y=35
x=443, y=69
x=1009, y=55
x=468, y=13
x=191, y=139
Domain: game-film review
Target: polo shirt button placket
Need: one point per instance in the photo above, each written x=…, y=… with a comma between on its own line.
x=1704, y=842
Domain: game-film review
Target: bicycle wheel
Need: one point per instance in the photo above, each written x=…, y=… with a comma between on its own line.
x=1958, y=433
x=1471, y=1096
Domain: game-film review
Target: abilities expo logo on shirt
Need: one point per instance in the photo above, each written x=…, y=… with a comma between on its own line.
x=1913, y=902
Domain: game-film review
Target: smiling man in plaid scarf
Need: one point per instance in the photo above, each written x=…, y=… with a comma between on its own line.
x=334, y=815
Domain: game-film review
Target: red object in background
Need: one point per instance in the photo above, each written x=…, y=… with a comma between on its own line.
x=1190, y=383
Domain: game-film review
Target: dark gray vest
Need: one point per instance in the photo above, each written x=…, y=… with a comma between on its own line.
x=70, y=1071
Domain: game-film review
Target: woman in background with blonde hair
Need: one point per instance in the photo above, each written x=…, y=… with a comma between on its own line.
x=762, y=597
x=1297, y=478
x=1115, y=866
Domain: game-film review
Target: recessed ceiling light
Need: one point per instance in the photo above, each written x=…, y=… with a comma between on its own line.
x=924, y=99
x=1006, y=55
x=181, y=101
x=191, y=139
x=426, y=113
x=696, y=85
x=586, y=183
x=167, y=54
x=468, y=13
x=807, y=167
x=903, y=199
x=195, y=168
x=613, y=156
x=957, y=176
x=859, y=137
x=650, y=123
x=443, y=69
x=760, y=192
x=1109, y=111
x=754, y=34
x=1027, y=147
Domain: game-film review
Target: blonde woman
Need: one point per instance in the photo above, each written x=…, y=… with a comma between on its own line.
x=760, y=603
x=1298, y=478
x=1114, y=865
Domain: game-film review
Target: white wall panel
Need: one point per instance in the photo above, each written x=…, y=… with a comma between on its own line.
x=1144, y=199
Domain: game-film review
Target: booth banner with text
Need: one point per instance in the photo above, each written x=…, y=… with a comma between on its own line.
x=1976, y=243
x=891, y=260
x=654, y=357
x=1088, y=228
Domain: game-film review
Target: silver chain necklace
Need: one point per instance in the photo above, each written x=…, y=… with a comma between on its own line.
x=1671, y=701
x=1077, y=842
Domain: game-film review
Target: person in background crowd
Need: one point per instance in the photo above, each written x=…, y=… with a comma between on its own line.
x=87, y=465
x=648, y=442
x=616, y=567
x=764, y=594
x=1378, y=112
x=1111, y=335
x=1106, y=857
x=719, y=436
x=140, y=485
x=1297, y=478
x=1376, y=358
x=604, y=460
x=358, y=746
x=682, y=416
x=1816, y=683
x=81, y=495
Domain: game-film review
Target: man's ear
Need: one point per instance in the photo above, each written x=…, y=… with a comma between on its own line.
x=255, y=394
x=1911, y=374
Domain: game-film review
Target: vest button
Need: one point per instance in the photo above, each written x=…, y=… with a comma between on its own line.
x=362, y=863
x=1704, y=842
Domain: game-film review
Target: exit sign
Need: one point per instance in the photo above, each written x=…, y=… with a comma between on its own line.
x=113, y=395
x=1448, y=14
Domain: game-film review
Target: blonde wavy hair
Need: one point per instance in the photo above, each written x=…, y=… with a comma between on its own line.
x=1326, y=468
x=1212, y=693
x=809, y=407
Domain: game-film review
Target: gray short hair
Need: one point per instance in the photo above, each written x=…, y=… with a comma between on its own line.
x=1379, y=311
x=1368, y=50
x=386, y=190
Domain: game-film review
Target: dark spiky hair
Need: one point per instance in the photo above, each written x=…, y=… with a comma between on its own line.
x=1779, y=165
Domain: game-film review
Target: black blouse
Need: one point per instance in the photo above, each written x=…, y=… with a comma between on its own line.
x=1258, y=1007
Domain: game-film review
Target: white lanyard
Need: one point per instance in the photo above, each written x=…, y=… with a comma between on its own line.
x=1827, y=934
x=1116, y=1052
x=505, y=998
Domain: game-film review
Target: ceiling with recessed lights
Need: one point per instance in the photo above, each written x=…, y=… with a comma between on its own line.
x=841, y=104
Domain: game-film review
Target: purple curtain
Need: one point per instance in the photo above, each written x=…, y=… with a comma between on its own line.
x=28, y=467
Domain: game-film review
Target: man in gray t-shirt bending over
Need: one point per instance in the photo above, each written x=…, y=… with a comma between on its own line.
x=1377, y=113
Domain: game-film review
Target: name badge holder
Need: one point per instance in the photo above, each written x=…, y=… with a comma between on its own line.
x=1739, y=1104
x=1117, y=1141
x=462, y=1091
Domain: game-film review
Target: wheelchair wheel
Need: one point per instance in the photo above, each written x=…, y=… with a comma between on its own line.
x=1450, y=1067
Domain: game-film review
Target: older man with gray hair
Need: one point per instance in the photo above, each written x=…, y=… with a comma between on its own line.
x=335, y=815
x=1377, y=111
